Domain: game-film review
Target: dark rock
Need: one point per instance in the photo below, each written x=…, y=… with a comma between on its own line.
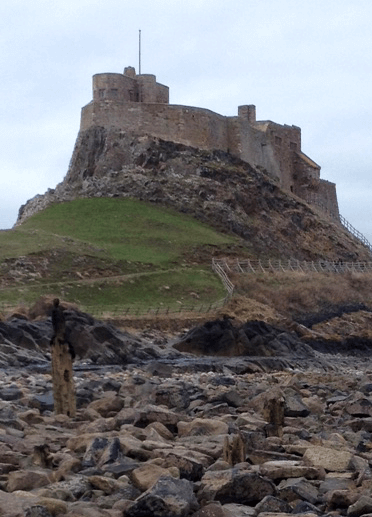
x=235, y=486
x=42, y=402
x=254, y=338
x=94, y=452
x=212, y=510
x=294, y=407
x=189, y=467
x=159, y=369
x=37, y=511
x=169, y=497
x=173, y=396
x=10, y=393
x=220, y=380
x=294, y=488
x=121, y=467
x=306, y=507
x=271, y=504
x=25, y=343
x=232, y=398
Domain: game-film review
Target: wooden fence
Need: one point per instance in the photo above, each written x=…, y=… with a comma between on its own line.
x=133, y=310
x=271, y=266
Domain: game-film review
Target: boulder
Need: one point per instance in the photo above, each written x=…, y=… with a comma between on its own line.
x=235, y=486
x=330, y=459
x=203, y=427
x=282, y=469
x=361, y=507
x=108, y=405
x=169, y=497
x=292, y=489
x=27, y=479
x=145, y=476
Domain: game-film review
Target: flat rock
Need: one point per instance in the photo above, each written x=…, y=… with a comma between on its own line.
x=202, y=426
x=329, y=459
x=288, y=469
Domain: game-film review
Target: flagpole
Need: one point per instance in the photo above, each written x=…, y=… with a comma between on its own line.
x=139, y=53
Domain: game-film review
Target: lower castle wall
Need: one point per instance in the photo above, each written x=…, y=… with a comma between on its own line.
x=254, y=149
x=325, y=197
x=327, y=192
x=190, y=126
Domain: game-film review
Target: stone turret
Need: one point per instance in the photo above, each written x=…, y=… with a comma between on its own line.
x=129, y=87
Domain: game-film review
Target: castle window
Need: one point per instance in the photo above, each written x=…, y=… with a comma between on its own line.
x=114, y=93
x=293, y=145
x=101, y=94
x=278, y=140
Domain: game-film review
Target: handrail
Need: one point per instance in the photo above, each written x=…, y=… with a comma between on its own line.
x=220, y=271
x=356, y=233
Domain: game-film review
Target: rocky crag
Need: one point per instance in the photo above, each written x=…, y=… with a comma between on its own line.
x=215, y=187
x=222, y=420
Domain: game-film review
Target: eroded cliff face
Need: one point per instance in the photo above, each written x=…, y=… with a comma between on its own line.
x=215, y=187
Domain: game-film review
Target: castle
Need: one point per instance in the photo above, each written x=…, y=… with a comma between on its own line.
x=139, y=104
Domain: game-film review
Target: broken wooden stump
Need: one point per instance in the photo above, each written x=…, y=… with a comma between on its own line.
x=274, y=414
x=62, y=376
x=234, y=449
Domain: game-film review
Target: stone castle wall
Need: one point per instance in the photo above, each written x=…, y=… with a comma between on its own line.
x=182, y=124
x=138, y=104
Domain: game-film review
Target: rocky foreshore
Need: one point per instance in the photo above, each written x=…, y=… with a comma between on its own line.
x=163, y=432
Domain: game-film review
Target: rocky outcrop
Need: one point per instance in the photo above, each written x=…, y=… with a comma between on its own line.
x=254, y=338
x=214, y=187
x=24, y=342
x=242, y=347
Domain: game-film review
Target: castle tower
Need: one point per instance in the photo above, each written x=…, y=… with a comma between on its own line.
x=248, y=112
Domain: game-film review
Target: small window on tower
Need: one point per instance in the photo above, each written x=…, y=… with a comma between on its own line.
x=278, y=140
x=101, y=94
x=114, y=93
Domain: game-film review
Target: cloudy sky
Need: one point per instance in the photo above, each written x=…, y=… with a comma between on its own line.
x=302, y=63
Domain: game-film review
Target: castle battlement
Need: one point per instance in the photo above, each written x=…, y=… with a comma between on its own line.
x=139, y=104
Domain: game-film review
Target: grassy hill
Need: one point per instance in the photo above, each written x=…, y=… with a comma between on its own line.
x=119, y=257
x=106, y=252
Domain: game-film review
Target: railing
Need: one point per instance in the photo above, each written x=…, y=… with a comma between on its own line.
x=350, y=228
x=315, y=200
x=291, y=265
x=220, y=271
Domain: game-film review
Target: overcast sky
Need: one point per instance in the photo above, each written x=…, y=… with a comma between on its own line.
x=303, y=63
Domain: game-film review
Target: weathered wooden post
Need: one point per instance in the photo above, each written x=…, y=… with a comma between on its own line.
x=234, y=449
x=274, y=414
x=62, y=375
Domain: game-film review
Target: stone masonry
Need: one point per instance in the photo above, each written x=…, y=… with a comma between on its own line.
x=138, y=104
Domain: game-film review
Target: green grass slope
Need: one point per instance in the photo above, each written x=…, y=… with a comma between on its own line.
x=107, y=252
